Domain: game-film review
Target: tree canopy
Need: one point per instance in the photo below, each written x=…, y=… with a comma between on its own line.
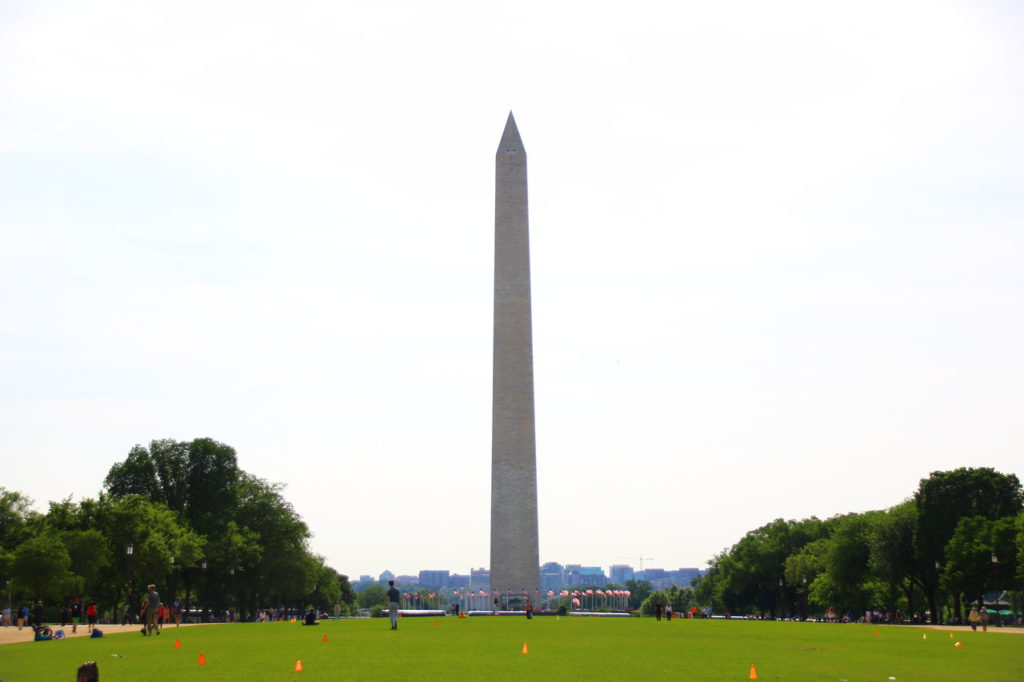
x=178, y=514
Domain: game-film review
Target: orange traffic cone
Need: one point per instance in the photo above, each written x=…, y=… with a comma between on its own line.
x=298, y=666
x=325, y=639
x=202, y=659
x=177, y=644
x=951, y=635
x=525, y=650
x=753, y=672
x=436, y=624
x=957, y=644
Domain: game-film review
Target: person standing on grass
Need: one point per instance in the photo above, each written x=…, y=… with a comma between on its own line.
x=152, y=601
x=393, y=596
x=658, y=609
x=90, y=615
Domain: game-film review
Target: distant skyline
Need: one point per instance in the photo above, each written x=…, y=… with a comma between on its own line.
x=776, y=252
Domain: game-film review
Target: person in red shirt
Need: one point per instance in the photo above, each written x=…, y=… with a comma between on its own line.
x=90, y=614
x=161, y=613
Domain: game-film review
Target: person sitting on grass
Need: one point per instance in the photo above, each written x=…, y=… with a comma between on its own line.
x=311, y=617
x=43, y=633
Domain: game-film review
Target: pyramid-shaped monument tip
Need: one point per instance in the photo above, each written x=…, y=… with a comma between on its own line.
x=511, y=143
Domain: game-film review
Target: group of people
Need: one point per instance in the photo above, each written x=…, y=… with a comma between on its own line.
x=977, y=617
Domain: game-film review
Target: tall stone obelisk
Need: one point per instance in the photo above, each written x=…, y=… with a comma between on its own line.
x=515, y=563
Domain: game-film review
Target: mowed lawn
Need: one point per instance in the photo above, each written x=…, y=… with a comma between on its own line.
x=488, y=648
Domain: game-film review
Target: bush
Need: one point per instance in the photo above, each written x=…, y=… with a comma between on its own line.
x=377, y=612
x=562, y=610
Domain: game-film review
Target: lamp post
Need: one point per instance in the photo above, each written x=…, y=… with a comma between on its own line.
x=780, y=599
x=202, y=618
x=803, y=615
x=231, y=591
x=938, y=569
x=128, y=551
x=995, y=583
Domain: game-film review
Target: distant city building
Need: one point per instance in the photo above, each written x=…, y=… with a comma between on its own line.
x=552, y=577
x=433, y=579
x=620, y=573
x=682, y=577
x=480, y=579
x=586, y=575
x=661, y=579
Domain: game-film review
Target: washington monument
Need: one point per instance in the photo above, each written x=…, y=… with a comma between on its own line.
x=515, y=562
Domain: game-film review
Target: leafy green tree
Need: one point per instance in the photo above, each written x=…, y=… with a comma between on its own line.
x=346, y=594
x=42, y=565
x=17, y=524
x=681, y=598
x=752, y=570
x=374, y=595
x=845, y=561
x=90, y=555
x=942, y=500
x=968, y=560
x=650, y=604
x=639, y=590
x=891, y=543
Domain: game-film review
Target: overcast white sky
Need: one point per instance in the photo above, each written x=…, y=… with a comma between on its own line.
x=778, y=258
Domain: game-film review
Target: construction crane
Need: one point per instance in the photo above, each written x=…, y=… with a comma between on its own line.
x=641, y=559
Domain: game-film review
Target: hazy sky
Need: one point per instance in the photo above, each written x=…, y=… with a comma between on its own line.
x=777, y=249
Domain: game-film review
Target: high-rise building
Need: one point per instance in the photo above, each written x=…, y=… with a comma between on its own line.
x=433, y=579
x=620, y=573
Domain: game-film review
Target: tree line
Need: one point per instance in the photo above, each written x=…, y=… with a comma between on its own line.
x=959, y=536
x=182, y=515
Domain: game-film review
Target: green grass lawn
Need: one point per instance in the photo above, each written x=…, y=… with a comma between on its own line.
x=491, y=648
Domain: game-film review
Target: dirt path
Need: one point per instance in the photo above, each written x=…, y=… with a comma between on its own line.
x=11, y=635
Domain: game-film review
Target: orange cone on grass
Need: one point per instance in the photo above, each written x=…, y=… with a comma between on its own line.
x=177, y=644
x=202, y=659
x=525, y=650
x=325, y=639
x=753, y=672
x=298, y=666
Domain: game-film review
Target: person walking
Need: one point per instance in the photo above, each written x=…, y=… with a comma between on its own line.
x=393, y=596
x=152, y=606
x=668, y=612
x=659, y=608
x=90, y=615
x=38, y=614
x=76, y=614
x=529, y=609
